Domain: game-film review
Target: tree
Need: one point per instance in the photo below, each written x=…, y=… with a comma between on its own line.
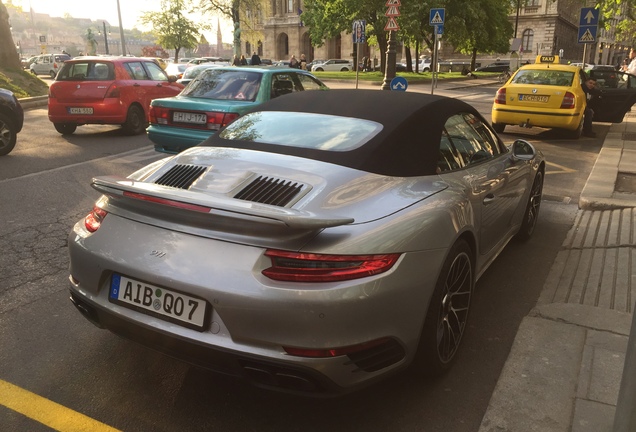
x=329, y=18
x=232, y=9
x=9, y=57
x=171, y=28
x=478, y=26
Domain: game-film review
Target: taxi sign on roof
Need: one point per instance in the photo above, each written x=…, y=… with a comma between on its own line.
x=547, y=59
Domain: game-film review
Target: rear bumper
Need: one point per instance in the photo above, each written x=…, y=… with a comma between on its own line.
x=171, y=139
x=107, y=111
x=255, y=370
x=563, y=119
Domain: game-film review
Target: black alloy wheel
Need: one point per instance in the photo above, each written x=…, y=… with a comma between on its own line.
x=447, y=313
x=8, y=135
x=531, y=216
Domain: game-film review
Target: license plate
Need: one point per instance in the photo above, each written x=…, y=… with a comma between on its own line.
x=166, y=304
x=186, y=117
x=80, y=110
x=533, y=98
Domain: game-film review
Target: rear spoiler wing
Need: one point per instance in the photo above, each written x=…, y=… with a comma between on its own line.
x=120, y=188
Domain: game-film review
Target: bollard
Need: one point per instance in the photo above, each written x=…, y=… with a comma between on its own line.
x=625, y=416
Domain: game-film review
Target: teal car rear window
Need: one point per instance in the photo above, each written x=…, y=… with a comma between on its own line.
x=225, y=85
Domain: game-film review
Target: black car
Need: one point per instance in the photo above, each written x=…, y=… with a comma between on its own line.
x=11, y=121
x=498, y=66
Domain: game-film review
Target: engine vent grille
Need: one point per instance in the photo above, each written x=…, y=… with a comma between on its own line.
x=181, y=176
x=266, y=190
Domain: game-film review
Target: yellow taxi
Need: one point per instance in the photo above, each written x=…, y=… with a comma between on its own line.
x=550, y=95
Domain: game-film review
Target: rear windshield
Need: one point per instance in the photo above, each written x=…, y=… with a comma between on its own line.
x=544, y=77
x=225, y=84
x=290, y=129
x=87, y=71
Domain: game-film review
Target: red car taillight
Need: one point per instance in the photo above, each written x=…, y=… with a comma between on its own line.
x=217, y=120
x=308, y=267
x=568, y=101
x=113, y=91
x=94, y=219
x=159, y=115
x=500, y=98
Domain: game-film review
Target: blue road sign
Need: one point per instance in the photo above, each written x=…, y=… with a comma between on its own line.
x=439, y=30
x=588, y=25
x=589, y=16
x=399, y=84
x=437, y=16
x=359, y=27
x=587, y=34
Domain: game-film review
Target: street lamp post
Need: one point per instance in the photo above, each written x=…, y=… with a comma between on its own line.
x=105, y=38
x=121, y=31
x=390, y=62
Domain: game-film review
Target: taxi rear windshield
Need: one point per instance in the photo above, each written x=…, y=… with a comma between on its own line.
x=87, y=71
x=544, y=77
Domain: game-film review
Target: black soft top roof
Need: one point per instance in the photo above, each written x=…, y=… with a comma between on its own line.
x=408, y=144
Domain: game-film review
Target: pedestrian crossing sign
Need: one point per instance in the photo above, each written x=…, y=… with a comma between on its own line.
x=437, y=16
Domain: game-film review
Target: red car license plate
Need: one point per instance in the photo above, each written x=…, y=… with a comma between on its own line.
x=80, y=110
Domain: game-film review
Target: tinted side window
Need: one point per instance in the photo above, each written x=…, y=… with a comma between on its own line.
x=282, y=84
x=489, y=139
x=466, y=140
x=449, y=159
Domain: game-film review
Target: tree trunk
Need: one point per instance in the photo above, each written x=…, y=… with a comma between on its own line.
x=9, y=57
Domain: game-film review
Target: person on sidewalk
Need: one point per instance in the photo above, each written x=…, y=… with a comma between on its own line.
x=631, y=68
x=256, y=60
x=592, y=92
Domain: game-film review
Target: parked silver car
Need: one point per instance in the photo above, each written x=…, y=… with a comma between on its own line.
x=316, y=244
x=48, y=64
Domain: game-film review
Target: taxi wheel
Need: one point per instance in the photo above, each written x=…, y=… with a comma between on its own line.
x=576, y=133
x=498, y=127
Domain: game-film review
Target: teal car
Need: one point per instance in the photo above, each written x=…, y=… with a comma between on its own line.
x=215, y=98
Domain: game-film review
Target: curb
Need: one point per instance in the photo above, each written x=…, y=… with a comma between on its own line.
x=34, y=102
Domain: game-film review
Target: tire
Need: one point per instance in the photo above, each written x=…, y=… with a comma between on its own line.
x=575, y=134
x=135, y=121
x=33, y=72
x=65, y=128
x=531, y=215
x=499, y=127
x=426, y=70
x=52, y=74
x=447, y=313
x=8, y=135
x=344, y=69
x=320, y=70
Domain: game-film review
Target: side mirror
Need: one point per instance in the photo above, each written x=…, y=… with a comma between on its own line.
x=523, y=150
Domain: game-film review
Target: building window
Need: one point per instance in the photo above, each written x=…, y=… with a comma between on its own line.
x=289, y=6
x=526, y=40
x=532, y=3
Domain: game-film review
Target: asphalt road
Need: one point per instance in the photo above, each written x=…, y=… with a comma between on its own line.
x=49, y=349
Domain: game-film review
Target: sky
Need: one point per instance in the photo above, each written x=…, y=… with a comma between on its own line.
x=131, y=11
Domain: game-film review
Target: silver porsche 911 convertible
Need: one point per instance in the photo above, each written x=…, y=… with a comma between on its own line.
x=315, y=245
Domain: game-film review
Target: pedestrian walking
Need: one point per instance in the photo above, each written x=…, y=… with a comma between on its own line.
x=592, y=93
x=256, y=60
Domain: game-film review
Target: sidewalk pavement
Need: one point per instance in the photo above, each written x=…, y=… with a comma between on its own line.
x=564, y=369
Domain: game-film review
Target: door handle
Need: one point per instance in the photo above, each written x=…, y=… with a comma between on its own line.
x=136, y=85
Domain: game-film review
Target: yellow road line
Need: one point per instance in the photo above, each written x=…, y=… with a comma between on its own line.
x=47, y=412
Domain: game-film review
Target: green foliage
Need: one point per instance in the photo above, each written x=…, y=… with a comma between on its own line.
x=171, y=28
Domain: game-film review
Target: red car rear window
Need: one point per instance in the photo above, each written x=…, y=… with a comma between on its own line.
x=87, y=71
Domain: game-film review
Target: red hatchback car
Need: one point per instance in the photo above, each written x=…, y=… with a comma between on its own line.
x=107, y=90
